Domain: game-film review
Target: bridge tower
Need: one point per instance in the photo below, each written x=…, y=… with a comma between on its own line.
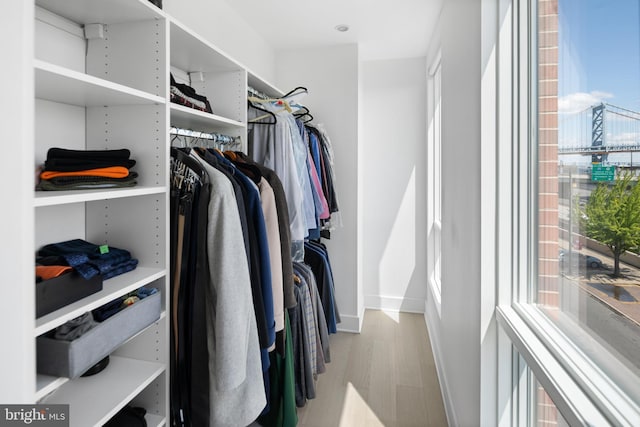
x=597, y=131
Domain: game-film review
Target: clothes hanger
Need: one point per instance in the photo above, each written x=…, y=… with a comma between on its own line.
x=257, y=121
x=190, y=162
x=310, y=117
x=293, y=91
x=301, y=111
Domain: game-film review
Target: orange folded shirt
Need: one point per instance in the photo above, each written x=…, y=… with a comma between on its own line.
x=110, y=172
x=50, y=271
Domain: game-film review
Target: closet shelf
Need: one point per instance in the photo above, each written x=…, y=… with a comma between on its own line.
x=189, y=118
x=190, y=52
x=54, y=198
x=45, y=384
x=94, y=400
x=154, y=420
x=262, y=85
x=103, y=12
x=112, y=288
x=59, y=84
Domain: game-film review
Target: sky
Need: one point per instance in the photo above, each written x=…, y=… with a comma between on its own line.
x=600, y=50
x=599, y=61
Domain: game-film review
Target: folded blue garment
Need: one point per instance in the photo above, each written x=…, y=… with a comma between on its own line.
x=88, y=260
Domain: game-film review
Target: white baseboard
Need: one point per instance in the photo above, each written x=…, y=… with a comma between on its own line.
x=437, y=356
x=407, y=305
x=351, y=324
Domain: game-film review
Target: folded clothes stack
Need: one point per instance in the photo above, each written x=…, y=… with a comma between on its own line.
x=186, y=95
x=85, y=169
x=87, y=258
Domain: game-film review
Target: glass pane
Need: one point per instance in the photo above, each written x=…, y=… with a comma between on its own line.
x=435, y=186
x=437, y=143
x=588, y=204
x=543, y=410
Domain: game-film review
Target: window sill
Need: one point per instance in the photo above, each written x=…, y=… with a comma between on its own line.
x=581, y=392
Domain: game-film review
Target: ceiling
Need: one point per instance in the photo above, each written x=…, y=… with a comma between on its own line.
x=383, y=30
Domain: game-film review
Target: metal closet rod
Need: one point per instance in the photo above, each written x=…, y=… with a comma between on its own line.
x=216, y=137
x=257, y=93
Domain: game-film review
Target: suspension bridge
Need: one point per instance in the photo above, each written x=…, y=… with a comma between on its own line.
x=599, y=131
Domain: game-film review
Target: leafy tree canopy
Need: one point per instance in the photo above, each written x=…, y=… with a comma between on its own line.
x=612, y=216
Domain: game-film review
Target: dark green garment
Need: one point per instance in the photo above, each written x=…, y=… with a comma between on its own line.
x=282, y=401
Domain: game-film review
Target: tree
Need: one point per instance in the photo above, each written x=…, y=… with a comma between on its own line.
x=612, y=216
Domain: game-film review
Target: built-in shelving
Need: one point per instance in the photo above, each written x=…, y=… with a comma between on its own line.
x=54, y=198
x=95, y=399
x=258, y=83
x=189, y=118
x=100, y=11
x=46, y=384
x=192, y=53
x=213, y=74
x=55, y=83
x=90, y=95
x=155, y=420
x=108, y=88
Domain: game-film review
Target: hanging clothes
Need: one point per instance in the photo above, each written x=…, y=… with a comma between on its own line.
x=283, y=225
x=235, y=370
x=216, y=370
x=282, y=402
x=189, y=380
x=258, y=247
x=271, y=146
x=317, y=257
x=252, y=291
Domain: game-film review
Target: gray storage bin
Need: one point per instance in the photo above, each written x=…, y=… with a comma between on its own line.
x=72, y=358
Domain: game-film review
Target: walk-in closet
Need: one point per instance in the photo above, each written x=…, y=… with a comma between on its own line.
x=192, y=195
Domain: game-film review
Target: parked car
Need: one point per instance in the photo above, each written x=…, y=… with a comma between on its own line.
x=587, y=260
x=592, y=261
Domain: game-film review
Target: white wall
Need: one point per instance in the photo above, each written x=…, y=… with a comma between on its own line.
x=394, y=177
x=455, y=335
x=463, y=336
x=331, y=76
x=223, y=27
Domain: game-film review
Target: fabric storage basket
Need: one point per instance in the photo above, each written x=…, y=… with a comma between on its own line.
x=60, y=291
x=72, y=358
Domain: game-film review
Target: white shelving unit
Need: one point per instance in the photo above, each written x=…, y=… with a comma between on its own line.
x=108, y=91
x=213, y=74
x=67, y=86
x=87, y=95
x=121, y=381
x=43, y=198
x=263, y=86
x=189, y=118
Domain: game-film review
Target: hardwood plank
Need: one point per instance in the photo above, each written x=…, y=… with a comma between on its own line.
x=411, y=407
x=382, y=390
x=408, y=350
x=384, y=376
x=359, y=362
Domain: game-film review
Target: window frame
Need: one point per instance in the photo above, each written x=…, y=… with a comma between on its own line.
x=583, y=394
x=434, y=187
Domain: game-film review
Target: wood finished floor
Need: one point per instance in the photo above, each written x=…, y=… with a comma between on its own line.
x=384, y=376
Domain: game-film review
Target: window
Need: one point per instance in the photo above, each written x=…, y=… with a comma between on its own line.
x=588, y=128
x=573, y=312
x=539, y=408
x=435, y=184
